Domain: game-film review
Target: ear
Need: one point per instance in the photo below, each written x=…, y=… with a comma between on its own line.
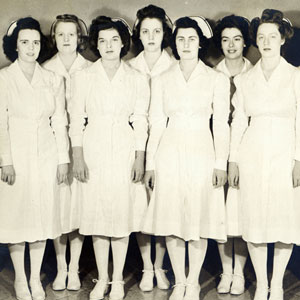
x=282, y=42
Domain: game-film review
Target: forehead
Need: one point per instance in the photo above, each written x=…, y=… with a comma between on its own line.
x=187, y=32
x=266, y=28
x=28, y=34
x=108, y=33
x=231, y=32
x=66, y=26
x=149, y=23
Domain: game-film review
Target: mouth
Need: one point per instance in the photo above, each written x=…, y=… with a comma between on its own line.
x=151, y=44
x=186, y=51
x=231, y=51
x=109, y=51
x=267, y=49
x=30, y=54
x=66, y=45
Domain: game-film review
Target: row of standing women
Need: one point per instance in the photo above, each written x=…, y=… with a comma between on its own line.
x=106, y=191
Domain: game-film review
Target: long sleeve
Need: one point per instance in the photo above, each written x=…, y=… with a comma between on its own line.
x=5, y=150
x=240, y=121
x=157, y=121
x=140, y=113
x=78, y=109
x=297, y=127
x=59, y=121
x=221, y=105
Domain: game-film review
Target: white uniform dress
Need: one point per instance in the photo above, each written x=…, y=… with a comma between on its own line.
x=33, y=138
x=109, y=144
x=183, y=154
x=70, y=194
x=139, y=63
x=233, y=227
x=265, y=152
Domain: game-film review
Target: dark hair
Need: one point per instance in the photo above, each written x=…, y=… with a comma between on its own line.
x=102, y=23
x=232, y=21
x=10, y=41
x=151, y=12
x=80, y=26
x=271, y=16
x=187, y=22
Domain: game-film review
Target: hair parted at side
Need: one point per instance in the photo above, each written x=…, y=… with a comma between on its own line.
x=102, y=23
x=232, y=21
x=152, y=12
x=80, y=26
x=10, y=41
x=187, y=22
x=275, y=17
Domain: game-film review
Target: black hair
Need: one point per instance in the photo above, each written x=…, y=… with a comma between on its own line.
x=275, y=17
x=187, y=22
x=102, y=23
x=232, y=21
x=10, y=41
x=151, y=12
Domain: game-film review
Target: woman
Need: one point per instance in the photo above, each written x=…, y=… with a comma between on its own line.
x=67, y=34
x=269, y=95
x=151, y=35
x=109, y=151
x=232, y=38
x=187, y=174
x=33, y=152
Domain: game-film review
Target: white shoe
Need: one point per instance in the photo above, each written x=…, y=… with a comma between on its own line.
x=161, y=279
x=74, y=283
x=22, y=290
x=276, y=293
x=37, y=290
x=238, y=285
x=225, y=283
x=117, y=290
x=261, y=293
x=59, y=282
x=99, y=290
x=192, y=292
x=146, y=284
x=178, y=291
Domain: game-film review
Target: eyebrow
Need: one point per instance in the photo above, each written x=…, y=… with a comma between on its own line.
x=191, y=36
x=238, y=35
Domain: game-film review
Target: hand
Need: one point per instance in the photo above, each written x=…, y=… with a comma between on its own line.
x=80, y=169
x=8, y=174
x=296, y=174
x=149, y=180
x=138, y=168
x=219, y=178
x=233, y=175
x=62, y=173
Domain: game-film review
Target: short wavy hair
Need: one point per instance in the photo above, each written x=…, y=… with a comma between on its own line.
x=69, y=18
x=187, y=22
x=102, y=23
x=151, y=12
x=232, y=21
x=10, y=41
x=275, y=17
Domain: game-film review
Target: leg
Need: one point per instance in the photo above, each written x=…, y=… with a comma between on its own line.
x=37, y=250
x=282, y=254
x=259, y=255
x=17, y=252
x=160, y=250
x=101, y=248
x=76, y=242
x=225, y=250
x=240, y=257
x=119, y=250
x=144, y=242
x=176, y=250
x=60, y=245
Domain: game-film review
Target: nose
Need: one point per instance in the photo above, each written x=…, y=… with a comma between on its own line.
x=108, y=44
x=231, y=43
x=31, y=46
x=186, y=43
x=151, y=36
x=266, y=41
x=66, y=38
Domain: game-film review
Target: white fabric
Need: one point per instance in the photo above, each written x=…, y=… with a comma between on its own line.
x=183, y=153
x=265, y=152
x=34, y=145
x=70, y=195
x=233, y=215
x=109, y=144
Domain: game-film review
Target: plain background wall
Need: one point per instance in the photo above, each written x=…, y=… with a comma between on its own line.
x=46, y=10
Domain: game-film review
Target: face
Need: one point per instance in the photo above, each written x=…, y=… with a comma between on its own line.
x=66, y=37
x=151, y=34
x=109, y=44
x=269, y=40
x=187, y=43
x=232, y=43
x=28, y=45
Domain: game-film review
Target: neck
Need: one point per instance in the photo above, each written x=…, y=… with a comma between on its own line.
x=235, y=66
x=67, y=59
x=111, y=64
x=270, y=63
x=26, y=66
x=151, y=58
x=187, y=64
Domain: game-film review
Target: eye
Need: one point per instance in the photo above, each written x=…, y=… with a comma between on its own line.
x=59, y=34
x=24, y=42
x=144, y=31
x=115, y=39
x=180, y=39
x=260, y=37
x=101, y=41
x=37, y=43
x=157, y=31
x=224, y=40
x=237, y=39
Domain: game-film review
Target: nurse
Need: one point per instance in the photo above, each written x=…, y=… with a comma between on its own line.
x=34, y=153
x=265, y=152
x=186, y=167
x=151, y=35
x=109, y=151
x=67, y=35
x=232, y=38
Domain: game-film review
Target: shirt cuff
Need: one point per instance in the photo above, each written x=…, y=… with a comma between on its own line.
x=76, y=141
x=140, y=145
x=6, y=160
x=233, y=157
x=221, y=164
x=63, y=158
x=150, y=165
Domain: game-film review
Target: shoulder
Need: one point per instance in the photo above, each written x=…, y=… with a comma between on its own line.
x=50, y=64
